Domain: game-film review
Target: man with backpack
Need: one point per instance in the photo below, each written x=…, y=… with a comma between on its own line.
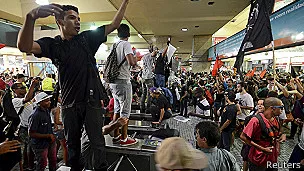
x=73, y=54
x=263, y=134
x=121, y=86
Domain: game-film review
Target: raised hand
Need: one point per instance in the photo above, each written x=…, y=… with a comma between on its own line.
x=46, y=10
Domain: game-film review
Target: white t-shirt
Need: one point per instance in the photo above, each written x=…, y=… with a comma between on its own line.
x=203, y=112
x=123, y=49
x=148, y=64
x=244, y=100
x=27, y=111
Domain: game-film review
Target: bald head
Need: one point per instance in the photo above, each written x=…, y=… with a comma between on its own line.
x=271, y=101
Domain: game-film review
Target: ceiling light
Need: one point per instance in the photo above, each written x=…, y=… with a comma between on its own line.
x=300, y=36
x=93, y=27
x=139, y=35
x=42, y=2
x=210, y=3
x=184, y=29
x=178, y=47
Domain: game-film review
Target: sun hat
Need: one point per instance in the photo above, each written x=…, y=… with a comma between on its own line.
x=41, y=96
x=176, y=153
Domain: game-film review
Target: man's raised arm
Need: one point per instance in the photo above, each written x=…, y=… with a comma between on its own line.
x=25, y=38
x=117, y=19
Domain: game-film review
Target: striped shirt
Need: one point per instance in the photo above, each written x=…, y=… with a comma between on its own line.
x=148, y=65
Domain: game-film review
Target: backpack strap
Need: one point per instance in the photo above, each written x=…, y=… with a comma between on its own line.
x=264, y=129
x=123, y=61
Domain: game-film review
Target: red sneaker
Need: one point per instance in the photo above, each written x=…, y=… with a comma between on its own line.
x=116, y=140
x=129, y=141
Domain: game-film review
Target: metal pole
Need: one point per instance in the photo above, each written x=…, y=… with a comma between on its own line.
x=274, y=60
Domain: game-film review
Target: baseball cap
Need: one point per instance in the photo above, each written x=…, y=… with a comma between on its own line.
x=176, y=153
x=154, y=90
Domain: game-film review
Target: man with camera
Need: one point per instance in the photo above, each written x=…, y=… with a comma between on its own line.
x=24, y=107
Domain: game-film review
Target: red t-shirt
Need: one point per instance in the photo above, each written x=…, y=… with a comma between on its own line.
x=254, y=132
x=110, y=106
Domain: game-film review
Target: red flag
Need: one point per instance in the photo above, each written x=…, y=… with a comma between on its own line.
x=263, y=73
x=252, y=72
x=2, y=45
x=248, y=73
x=218, y=64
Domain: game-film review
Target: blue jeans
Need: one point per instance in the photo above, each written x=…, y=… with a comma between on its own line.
x=160, y=80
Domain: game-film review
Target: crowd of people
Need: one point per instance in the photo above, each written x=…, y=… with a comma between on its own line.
x=85, y=105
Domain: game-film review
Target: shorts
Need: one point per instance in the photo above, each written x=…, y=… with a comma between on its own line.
x=122, y=94
x=23, y=135
x=60, y=135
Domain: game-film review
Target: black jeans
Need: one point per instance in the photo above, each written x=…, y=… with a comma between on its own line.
x=87, y=116
x=184, y=107
x=225, y=142
x=155, y=112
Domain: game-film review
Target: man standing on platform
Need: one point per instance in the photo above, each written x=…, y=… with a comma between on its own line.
x=147, y=79
x=80, y=84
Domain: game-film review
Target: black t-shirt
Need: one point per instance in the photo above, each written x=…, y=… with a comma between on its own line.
x=219, y=97
x=229, y=114
x=74, y=63
x=160, y=65
x=40, y=122
x=161, y=102
x=184, y=89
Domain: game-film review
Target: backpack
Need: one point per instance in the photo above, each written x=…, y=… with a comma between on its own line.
x=168, y=95
x=267, y=133
x=111, y=70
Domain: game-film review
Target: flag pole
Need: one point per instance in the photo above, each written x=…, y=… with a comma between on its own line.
x=274, y=60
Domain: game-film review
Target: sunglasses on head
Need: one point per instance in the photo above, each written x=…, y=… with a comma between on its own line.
x=278, y=107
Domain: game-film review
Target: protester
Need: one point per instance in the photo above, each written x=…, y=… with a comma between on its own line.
x=160, y=108
x=208, y=136
x=23, y=104
x=121, y=88
x=73, y=49
x=41, y=133
x=263, y=135
x=147, y=79
x=228, y=120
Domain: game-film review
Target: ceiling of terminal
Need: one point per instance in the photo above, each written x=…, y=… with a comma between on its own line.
x=155, y=20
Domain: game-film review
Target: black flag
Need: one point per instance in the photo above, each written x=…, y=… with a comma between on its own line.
x=294, y=74
x=258, y=30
